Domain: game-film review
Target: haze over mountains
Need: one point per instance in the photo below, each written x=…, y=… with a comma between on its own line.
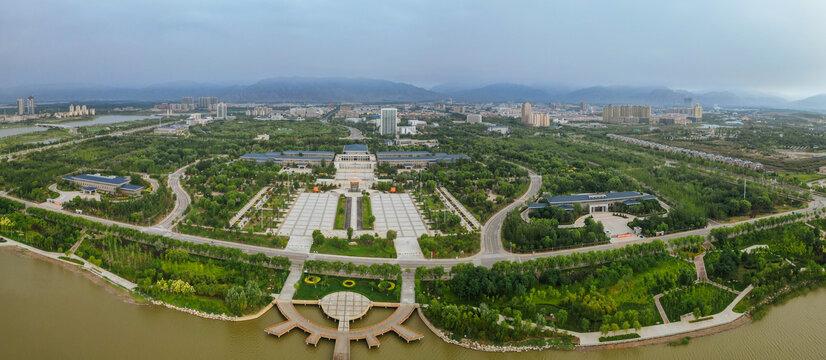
x=323, y=90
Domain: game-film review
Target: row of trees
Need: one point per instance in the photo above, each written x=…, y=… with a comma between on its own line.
x=382, y=271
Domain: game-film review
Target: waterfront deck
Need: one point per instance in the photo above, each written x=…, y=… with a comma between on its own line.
x=344, y=335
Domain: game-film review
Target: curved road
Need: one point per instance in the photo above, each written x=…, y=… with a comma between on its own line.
x=491, y=252
x=182, y=199
x=355, y=134
x=492, y=229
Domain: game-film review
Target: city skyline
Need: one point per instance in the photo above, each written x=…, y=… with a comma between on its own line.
x=738, y=45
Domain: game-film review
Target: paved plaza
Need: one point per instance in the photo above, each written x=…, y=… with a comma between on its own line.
x=345, y=306
x=311, y=211
x=397, y=212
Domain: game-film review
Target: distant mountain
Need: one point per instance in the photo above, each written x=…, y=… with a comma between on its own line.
x=332, y=90
x=603, y=95
x=812, y=102
x=309, y=90
x=499, y=92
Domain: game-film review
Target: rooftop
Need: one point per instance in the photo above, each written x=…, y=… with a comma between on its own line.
x=355, y=148
x=101, y=179
x=579, y=198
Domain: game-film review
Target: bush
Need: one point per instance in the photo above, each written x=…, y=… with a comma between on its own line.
x=619, y=337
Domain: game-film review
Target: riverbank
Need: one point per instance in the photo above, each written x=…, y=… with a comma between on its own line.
x=125, y=294
x=77, y=269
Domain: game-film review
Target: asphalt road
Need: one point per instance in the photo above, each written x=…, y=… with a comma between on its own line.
x=491, y=252
x=355, y=134
x=182, y=199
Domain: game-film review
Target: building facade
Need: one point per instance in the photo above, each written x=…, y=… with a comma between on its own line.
x=626, y=114
x=221, y=111
x=527, y=114
x=388, y=121
x=21, y=106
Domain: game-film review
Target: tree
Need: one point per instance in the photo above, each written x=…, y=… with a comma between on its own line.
x=236, y=298
x=350, y=233
x=562, y=317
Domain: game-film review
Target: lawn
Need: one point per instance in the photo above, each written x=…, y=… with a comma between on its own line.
x=367, y=213
x=708, y=299
x=341, y=212
x=330, y=284
x=354, y=250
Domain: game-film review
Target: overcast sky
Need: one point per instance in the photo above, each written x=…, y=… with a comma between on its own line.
x=764, y=46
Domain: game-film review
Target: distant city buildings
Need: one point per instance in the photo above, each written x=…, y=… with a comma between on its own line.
x=526, y=113
x=221, y=111
x=626, y=114
x=207, y=102
x=30, y=105
x=79, y=110
x=175, y=129
x=21, y=106
x=188, y=103
x=474, y=118
x=697, y=112
x=388, y=121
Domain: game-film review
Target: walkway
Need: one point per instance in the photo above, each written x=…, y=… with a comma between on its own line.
x=468, y=220
x=288, y=289
x=660, y=308
x=344, y=335
x=673, y=328
x=100, y=272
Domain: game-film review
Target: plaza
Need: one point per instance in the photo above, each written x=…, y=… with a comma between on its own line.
x=397, y=212
x=311, y=211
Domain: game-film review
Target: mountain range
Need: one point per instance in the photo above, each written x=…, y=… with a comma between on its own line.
x=362, y=90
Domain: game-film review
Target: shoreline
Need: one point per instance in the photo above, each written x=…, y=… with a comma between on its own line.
x=125, y=295
x=623, y=344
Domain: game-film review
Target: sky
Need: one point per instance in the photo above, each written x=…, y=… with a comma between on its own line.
x=772, y=47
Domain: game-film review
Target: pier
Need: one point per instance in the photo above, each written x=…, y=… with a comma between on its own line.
x=344, y=307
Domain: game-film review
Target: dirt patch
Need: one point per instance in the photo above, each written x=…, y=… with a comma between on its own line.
x=110, y=288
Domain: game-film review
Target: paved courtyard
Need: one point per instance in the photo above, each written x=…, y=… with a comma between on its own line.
x=397, y=212
x=311, y=211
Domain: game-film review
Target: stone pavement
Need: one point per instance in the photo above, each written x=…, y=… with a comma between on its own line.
x=310, y=211
x=397, y=212
x=288, y=289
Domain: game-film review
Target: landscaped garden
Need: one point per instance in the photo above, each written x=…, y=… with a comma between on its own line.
x=365, y=245
x=699, y=299
x=607, y=291
x=315, y=287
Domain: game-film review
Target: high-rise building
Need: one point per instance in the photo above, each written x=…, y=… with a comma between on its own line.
x=388, y=121
x=30, y=105
x=526, y=112
x=626, y=114
x=207, y=102
x=21, y=106
x=583, y=106
x=221, y=111
x=188, y=103
x=474, y=118
x=697, y=112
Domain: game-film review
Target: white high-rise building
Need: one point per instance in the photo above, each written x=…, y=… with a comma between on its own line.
x=221, y=111
x=21, y=106
x=388, y=122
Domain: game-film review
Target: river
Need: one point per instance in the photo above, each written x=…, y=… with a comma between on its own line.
x=100, y=120
x=48, y=312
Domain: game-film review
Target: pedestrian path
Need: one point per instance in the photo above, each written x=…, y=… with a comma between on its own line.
x=98, y=271
x=288, y=289
x=408, y=287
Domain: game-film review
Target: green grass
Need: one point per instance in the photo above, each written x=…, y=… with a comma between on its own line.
x=703, y=296
x=356, y=250
x=619, y=337
x=366, y=213
x=71, y=260
x=341, y=211
x=330, y=284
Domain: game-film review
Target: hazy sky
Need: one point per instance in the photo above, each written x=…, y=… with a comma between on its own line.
x=767, y=46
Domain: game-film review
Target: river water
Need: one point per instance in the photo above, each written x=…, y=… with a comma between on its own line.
x=48, y=312
x=100, y=120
